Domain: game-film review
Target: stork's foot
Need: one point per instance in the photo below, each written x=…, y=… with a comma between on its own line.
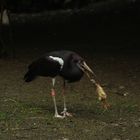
x=59, y=116
x=66, y=114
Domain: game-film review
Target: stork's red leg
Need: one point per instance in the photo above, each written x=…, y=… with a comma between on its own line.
x=54, y=101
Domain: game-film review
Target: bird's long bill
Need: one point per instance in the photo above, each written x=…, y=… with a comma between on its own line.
x=87, y=68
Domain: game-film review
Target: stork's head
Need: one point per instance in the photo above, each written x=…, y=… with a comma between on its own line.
x=80, y=62
x=84, y=67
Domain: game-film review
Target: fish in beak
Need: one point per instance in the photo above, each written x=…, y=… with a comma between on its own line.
x=85, y=67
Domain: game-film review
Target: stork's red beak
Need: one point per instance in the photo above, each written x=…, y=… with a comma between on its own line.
x=85, y=67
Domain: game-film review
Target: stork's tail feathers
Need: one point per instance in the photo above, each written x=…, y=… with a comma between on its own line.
x=29, y=76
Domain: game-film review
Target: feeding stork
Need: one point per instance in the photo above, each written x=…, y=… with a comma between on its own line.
x=67, y=64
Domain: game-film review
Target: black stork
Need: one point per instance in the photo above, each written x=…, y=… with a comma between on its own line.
x=67, y=64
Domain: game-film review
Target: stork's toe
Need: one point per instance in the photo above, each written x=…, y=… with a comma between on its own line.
x=59, y=116
x=65, y=113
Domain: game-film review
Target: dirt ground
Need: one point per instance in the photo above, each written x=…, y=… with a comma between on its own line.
x=26, y=110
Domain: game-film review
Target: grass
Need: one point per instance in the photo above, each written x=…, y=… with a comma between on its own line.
x=87, y=123
x=3, y=115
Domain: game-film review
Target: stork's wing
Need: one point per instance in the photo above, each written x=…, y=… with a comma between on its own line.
x=45, y=67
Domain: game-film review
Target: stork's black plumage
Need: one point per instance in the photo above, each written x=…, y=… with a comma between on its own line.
x=67, y=64
x=47, y=66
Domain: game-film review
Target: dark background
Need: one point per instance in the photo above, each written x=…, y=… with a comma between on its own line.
x=103, y=25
